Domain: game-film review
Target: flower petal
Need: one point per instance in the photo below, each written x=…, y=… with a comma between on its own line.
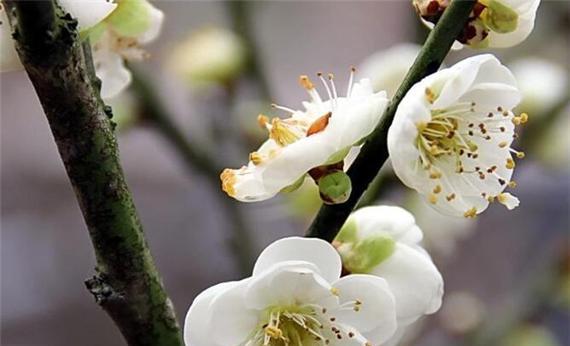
x=376, y=312
x=9, y=60
x=88, y=13
x=289, y=283
x=392, y=221
x=110, y=68
x=313, y=250
x=231, y=322
x=197, y=321
x=415, y=281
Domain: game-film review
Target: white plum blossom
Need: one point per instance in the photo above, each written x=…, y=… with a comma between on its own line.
x=451, y=136
x=116, y=31
x=387, y=68
x=87, y=13
x=384, y=241
x=209, y=55
x=120, y=37
x=492, y=23
x=312, y=141
x=543, y=84
x=294, y=297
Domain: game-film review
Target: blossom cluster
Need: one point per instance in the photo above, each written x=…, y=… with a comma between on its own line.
x=297, y=295
x=451, y=140
x=116, y=30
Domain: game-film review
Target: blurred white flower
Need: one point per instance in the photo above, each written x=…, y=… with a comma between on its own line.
x=492, y=23
x=441, y=232
x=120, y=37
x=543, y=84
x=315, y=140
x=384, y=241
x=387, y=68
x=451, y=135
x=87, y=13
x=294, y=297
x=209, y=55
x=462, y=312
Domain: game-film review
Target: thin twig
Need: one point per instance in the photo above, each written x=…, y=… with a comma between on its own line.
x=374, y=153
x=203, y=162
x=239, y=12
x=127, y=284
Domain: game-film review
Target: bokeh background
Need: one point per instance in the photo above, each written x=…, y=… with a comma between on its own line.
x=507, y=274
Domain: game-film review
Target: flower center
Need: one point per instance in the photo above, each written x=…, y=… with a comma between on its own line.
x=300, y=325
x=453, y=136
x=442, y=136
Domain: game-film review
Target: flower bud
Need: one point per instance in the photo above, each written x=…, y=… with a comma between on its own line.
x=335, y=187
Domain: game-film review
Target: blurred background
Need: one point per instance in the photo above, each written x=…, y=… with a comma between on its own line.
x=216, y=66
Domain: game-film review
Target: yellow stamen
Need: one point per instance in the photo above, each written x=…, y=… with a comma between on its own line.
x=256, y=158
x=229, y=179
x=306, y=82
x=262, y=120
x=470, y=213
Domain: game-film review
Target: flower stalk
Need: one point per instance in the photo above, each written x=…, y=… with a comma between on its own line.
x=127, y=284
x=374, y=153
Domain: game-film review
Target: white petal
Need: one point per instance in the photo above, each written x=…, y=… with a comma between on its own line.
x=286, y=284
x=313, y=250
x=156, y=17
x=377, y=313
x=415, y=281
x=508, y=200
x=9, y=60
x=198, y=322
x=395, y=222
x=110, y=68
x=231, y=321
x=527, y=15
x=88, y=12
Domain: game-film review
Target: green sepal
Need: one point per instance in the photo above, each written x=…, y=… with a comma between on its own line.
x=499, y=17
x=348, y=232
x=366, y=254
x=131, y=18
x=337, y=157
x=297, y=184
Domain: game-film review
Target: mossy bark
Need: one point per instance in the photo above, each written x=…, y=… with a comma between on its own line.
x=126, y=284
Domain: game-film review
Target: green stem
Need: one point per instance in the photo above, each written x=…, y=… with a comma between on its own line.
x=239, y=11
x=374, y=153
x=154, y=111
x=127, y=284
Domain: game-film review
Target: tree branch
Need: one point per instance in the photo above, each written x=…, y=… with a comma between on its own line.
x=239, y=11
x=374, y=153
x=127, y=284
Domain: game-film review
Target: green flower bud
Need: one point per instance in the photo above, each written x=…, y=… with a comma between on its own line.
x=348, y=232
x=335, y=187
x=499, y=17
